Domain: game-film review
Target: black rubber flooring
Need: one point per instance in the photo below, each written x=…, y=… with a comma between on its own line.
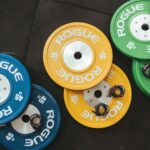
x=24, y=27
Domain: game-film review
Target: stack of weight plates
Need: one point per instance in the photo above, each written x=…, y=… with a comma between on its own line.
x=24, y=124
x=130, y=31
x=78, y=57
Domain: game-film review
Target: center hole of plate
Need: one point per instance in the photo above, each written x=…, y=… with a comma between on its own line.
x=26, y=118
x=98, y=93
x=77, y=55
x=145, y=27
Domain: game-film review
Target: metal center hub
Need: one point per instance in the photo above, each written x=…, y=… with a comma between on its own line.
x=22, y=124
x=140, y=27
x=5, y=88
x=78, y=56
x=98, y=94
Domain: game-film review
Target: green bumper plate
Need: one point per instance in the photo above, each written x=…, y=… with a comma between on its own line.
x=130, y=29
x=141, y=80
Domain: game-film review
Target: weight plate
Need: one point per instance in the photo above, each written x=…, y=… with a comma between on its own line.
x=14, y=88
x=130, y=29
x=77, y=56
x=36, y=127
x=142, y=81
x=81, y=104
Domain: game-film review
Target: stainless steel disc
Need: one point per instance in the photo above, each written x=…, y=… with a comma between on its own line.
x=22, y=124
x=140, y=27
x=98, y=94
x=5, y=89
x=78, y=55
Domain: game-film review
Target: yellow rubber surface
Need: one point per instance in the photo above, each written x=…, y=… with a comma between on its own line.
x=83, y=113
x=85, y=78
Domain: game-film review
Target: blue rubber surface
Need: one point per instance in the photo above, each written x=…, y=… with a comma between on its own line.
x=20, y=86
x=50, y=113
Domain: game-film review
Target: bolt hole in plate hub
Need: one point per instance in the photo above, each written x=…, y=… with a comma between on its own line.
x=14, y=88
x=25, y=118
x=77, y=56
x=141, y=74
x=130, y=29
x=81, y=104
x=20, y=133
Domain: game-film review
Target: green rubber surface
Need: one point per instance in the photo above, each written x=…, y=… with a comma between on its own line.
x=130, y=29
x=142, y=82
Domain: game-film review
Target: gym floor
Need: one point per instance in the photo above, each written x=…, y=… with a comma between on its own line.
x=24, y=27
